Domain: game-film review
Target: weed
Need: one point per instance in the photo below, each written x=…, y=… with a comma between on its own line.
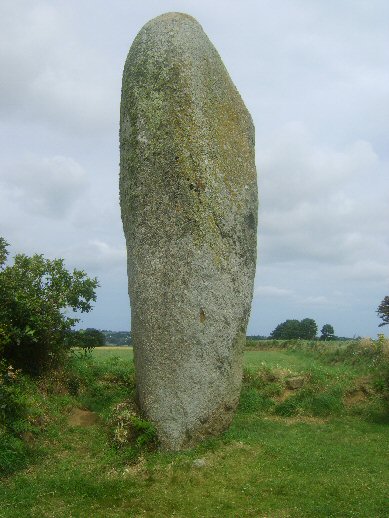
x=131, y=429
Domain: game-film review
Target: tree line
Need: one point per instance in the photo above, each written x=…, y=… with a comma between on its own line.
x=305, y=329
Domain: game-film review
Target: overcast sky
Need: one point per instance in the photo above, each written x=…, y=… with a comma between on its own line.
x=315, y=77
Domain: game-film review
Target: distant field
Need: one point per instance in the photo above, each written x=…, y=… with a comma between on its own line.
x=102, y=353
x=252, y=359
x=112, y=347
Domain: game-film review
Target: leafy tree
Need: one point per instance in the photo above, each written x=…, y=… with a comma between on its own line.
x=288, y=330
x=36, y=296
x=308, y=329
x=383, y=312
x=89, y=338
x=305, y=329
x=327, y=332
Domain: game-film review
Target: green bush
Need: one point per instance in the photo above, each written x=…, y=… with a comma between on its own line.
x=17, y=412
x=88, y=339
x=13, y=400
x=35, y=293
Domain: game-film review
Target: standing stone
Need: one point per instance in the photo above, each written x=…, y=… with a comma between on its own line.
x=188, y=197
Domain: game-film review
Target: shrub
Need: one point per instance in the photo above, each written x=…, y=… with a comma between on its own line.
x=88, y=338
x=17, y=412
x=35, y=293
x=129, y=429
x=13, y=400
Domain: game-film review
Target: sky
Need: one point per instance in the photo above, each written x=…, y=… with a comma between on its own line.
x=315, y=78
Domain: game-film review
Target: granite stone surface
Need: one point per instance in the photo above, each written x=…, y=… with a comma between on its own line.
x=188, y=195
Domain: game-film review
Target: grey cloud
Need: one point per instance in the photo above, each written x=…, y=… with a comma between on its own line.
x=314, y=300
x=96, y=256
x=315, y=204
x=371, y=270
x=271, y=291
x=294, y=169
x=49, y=76
x=46, y=187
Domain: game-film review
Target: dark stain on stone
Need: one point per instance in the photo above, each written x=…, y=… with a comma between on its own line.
x=202, y=316
x=251, y=223
x=198, y=186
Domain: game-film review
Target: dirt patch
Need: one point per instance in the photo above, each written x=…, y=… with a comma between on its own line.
x=138, y=469
x=295, y=382
x=355, y=397
x=364, y=384
x=80, y=417
x=361, y=392
x=306, y=419
x=269, y=376
x=282, y=397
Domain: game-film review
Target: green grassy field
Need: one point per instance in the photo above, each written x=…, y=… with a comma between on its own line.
x=104, y=353
x=317, y=450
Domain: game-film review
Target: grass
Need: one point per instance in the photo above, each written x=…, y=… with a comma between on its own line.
x=104, y=353
x=318, y=450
